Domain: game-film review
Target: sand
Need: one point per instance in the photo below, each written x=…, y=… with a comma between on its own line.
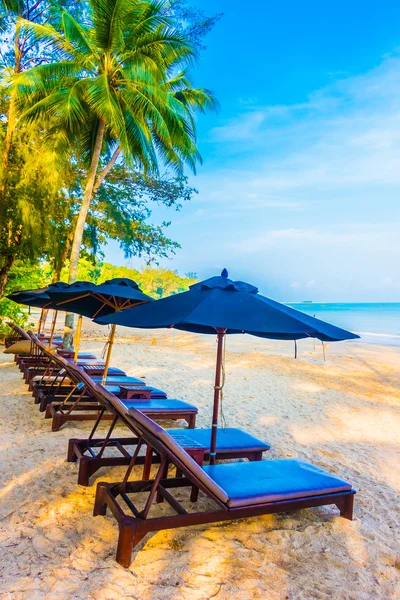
x=342, y=415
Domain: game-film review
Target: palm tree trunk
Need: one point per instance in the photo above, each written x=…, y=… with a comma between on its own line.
x=80, y=225
x=106, y=170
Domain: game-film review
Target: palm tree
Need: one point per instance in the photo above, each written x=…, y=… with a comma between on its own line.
x=120, y=86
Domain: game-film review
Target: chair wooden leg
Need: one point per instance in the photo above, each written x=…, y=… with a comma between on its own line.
x=194, y=494
x=71, y=456
x=100, y=507
x=57, y=422
x=84, y=472
x=128, y=538
x=164, y=475
x=346, y=508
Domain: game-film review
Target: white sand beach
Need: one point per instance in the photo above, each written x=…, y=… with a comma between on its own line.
x=342, y=415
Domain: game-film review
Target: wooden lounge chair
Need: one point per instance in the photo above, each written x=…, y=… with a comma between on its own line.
x=56, y=384
x=71, y=353
x=238, y=490
x=58, y=397
x=38, y=362
x=20, y=334
x=80, y=408
x=92, y=455
x=159, y=408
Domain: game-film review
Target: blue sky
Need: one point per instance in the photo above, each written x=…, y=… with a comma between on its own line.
x=300, y=188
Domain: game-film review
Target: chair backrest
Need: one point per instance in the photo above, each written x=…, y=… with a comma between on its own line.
x=53, y=358
x=155, y=436
x=140, y=424
x=21, y=332
x=99, y=393
x=159, y=439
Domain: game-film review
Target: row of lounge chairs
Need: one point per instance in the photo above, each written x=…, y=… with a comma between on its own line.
x=171, y=459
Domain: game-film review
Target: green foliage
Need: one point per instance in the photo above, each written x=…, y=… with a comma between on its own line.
x=155, y=282
x=67, y=66
x=160, y=283
x=195, y=23
x=88, y=270
x=34, y=187
x=24, y=275
x=123, y=69
x=121, y=211
x=28, y=276
x=9, y=311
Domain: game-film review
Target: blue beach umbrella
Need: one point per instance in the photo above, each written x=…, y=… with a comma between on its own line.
x=94, y=301
x=39, y=298
x=222, y=306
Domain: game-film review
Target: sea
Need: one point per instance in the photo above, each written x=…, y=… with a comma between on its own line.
x=375, y=322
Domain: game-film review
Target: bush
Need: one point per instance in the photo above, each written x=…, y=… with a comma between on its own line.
x=9, y=311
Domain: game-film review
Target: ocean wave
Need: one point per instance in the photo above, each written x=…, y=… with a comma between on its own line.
x=374, y=334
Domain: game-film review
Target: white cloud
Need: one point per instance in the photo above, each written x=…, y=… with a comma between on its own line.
x=240, y=129
x=304, y=198
x=346, y=134
x=297, y=239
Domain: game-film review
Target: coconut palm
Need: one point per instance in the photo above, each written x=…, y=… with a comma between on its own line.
x=120, y=85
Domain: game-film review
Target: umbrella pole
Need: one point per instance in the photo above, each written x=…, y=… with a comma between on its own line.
x=45, y=313
x=217, y=394
x=42, y=320
x=53, y=326
x=109, y=351
x=77, y=338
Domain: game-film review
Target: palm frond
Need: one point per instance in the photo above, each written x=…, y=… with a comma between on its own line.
x=126, y=66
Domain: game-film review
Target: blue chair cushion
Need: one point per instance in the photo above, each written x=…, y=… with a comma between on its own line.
x=250, y=483
x=100, y=368
x=119, y=379
x=149, y=406
x=157, y=394
x=228, y=440
x=88, y=361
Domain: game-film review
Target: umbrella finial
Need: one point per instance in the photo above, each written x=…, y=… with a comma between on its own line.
x=224, y=273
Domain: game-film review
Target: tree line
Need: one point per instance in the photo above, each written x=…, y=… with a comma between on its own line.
x=153, y=281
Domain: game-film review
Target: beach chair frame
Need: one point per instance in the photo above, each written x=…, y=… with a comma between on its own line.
x=90, y=452
x=81, y=408
x=135, y=524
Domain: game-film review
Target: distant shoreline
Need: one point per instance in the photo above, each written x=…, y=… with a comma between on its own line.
x=375, y=322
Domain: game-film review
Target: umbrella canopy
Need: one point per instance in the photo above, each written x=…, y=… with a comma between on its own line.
x=235, y=307
x=93, y=301
x=39, y=298
x=220, y=305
